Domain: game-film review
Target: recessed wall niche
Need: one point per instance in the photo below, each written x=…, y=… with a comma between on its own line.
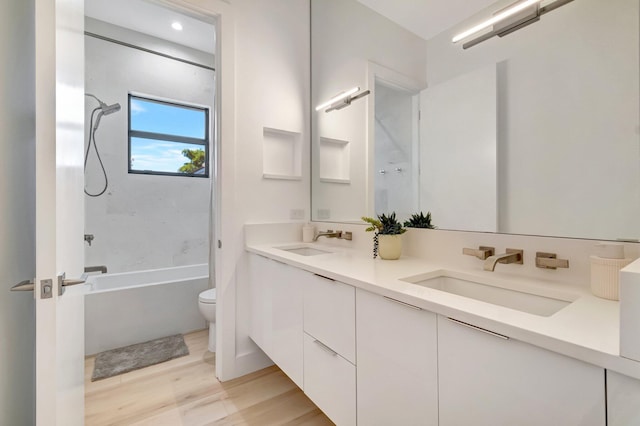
x=334, y=161
x=281, y=154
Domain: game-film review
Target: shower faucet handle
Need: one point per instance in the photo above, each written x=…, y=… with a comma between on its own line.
x=89, y=238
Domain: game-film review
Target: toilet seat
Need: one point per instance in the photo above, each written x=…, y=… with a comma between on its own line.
x=208, y=296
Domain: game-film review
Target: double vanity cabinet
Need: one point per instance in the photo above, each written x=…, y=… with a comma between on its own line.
x=368, y=359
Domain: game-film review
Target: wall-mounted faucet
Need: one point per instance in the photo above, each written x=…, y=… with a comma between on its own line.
x=334, y=234
x=511, y=256
x=88, y=238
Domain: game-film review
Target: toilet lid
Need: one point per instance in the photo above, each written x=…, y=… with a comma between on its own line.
x=208, y=296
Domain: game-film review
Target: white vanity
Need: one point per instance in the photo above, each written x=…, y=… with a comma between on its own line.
x=510, y=137
x=371, y=344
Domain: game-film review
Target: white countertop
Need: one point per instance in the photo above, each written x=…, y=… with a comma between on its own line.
x=588, y=329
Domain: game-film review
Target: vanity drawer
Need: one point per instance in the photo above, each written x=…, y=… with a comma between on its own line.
x=330, y=382
x=329, y=314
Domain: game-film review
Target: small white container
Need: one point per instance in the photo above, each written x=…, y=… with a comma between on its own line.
x=308, y=232
x=605, y=276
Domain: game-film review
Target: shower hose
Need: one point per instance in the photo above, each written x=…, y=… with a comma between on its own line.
x=92, y=138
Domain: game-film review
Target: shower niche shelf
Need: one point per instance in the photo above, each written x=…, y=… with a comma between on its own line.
x=334, y=161
x=281, y=154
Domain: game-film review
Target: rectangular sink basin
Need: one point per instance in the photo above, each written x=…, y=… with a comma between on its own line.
x=304, y=250
x=520, y=301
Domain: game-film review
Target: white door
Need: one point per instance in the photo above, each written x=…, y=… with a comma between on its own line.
x=459, y=123
x=397, y=359
x=59, y=85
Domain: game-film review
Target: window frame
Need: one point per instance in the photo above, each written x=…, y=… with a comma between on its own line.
x=168, y=137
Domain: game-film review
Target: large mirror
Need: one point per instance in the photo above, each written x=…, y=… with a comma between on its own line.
x=533, y=133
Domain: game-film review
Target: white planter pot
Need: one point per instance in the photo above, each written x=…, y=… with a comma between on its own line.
x=389, y=246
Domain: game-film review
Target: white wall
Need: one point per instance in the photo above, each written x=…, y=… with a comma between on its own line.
x=130, y=35
x=264, y=81
x=142, y=221
x=17, y=204
x=343, y=46
x=272, y=90
x=568, y=118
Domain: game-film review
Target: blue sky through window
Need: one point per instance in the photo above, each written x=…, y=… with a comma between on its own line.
x=155, y=117
x=149, y=116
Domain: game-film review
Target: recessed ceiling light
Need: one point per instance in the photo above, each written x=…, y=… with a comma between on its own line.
x=176, y=26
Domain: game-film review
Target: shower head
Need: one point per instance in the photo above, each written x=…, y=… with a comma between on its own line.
x=109, y=109
x=104, y=109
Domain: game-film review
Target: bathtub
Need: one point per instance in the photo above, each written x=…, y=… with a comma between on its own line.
x=126, y=308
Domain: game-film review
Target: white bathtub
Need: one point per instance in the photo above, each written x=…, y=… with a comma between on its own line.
x=126, y=308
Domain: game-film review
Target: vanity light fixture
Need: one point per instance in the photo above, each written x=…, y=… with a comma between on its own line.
x=342, y=100
x=508, y=20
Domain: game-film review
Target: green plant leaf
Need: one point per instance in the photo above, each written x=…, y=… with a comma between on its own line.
x=419, y=220
x=390, y=225
x=375, y=224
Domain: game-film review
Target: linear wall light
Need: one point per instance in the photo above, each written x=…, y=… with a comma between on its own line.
x=508, y=20
x=342, y=100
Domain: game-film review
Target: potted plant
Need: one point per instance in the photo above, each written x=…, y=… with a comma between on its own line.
x=386, y=240
x=419, y=220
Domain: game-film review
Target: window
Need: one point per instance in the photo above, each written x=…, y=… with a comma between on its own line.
x=167, y=138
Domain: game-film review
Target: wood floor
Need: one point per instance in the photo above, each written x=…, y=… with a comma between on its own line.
x=185, y=392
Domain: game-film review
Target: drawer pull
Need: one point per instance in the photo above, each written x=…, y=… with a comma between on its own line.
x=408, y=305
x=322, y=276
x=482, y=330
x=326, y=348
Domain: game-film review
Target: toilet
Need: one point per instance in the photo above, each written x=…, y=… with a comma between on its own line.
x=207, y=306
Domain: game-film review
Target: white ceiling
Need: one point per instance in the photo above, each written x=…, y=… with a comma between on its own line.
x=152, y=19
x=427, y=18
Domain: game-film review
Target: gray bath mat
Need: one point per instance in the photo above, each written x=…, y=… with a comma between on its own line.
x=122, y=360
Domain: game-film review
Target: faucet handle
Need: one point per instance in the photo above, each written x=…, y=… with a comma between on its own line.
x=550, y=261
x=482, y=253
